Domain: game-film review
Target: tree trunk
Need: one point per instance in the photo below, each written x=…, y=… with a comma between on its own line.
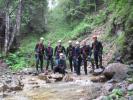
x=16, y=29
x=7, y=28
x=7, y=32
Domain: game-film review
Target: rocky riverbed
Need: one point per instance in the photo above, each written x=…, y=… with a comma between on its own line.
x=26, y=85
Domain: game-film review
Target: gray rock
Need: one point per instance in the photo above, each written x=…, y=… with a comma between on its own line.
x=130, y=98
x=123, y=85
x=83, y=98
x=112, y=81
x=116, y=71
x=28, y=71
x=67, y=78
x=98, y=71
x=108, y=87
x=3, y=87
x=131, y=66
x=100, y=98
x=100, y=78
x=130, y=87
x=56, y=76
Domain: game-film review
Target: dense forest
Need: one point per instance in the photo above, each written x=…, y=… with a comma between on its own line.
x=23, y=22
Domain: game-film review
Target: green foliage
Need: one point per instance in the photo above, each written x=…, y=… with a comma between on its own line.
x=77, y=9
x=130, y=80
x=70, y=20
x=16, y=61
x=130, y=93
x=120, y=40
x=116, y=94
x=34, y=16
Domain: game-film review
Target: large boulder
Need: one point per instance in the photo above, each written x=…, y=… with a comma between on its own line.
x=116, y=71
x=130, y=87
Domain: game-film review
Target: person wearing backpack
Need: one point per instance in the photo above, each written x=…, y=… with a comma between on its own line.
x=77, y=58
x=49, y=56
x=60, y=68
x=59, y=49
x=70, y=54
x=85, y=51
x=39, y=54
x=97, y=52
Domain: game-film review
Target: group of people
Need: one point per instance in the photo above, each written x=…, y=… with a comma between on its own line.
x=75, y=54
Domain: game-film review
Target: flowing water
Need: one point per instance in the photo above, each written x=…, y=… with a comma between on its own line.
x=36, y=89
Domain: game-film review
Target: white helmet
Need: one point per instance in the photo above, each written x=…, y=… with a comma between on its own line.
x=77, y=42
x=69, y=41
x=42, y=38
x=61, y=54
x=59, y=41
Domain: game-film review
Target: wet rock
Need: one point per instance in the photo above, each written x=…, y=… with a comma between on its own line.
x=116, y=71
x=130, y=87
x=83, y=98
x=28, y=71
x=100, y=98
x=50, y=80
x=98, y=71
x=100, y=78
x=130, y=98
x=131, y=66
x=43, y=77
x=123, y=85
x=3, y=87
x=3, y=64
x=56, y=76
x=16, y=86
x=108, y=87
x=32, y=82
x=93, y=91
x=35, y=86
x=130, y=71
x=112, y=81
x=67, y=78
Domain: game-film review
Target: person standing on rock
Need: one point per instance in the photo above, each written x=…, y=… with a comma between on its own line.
x=77, y=58
x=59, y=49
x=85, y=53
x=39, y=54
x=97, y=51
x=70, y=54
x=49, y=56
x=60, y=68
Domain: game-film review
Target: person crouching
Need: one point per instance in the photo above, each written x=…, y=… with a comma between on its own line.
x=61, y=66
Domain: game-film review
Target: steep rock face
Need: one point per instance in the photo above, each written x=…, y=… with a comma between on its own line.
x=120, y=26
x=128, y=45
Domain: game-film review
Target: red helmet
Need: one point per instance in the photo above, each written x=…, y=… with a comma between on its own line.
x=94, y=37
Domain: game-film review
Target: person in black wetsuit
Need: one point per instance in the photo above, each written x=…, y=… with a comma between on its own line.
x=59, y=49
x=97, y=52
x=60, y=68
x=70, y=54
x=86, y=50
x=49, y=56
x=77, y=58
x=39, y=54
